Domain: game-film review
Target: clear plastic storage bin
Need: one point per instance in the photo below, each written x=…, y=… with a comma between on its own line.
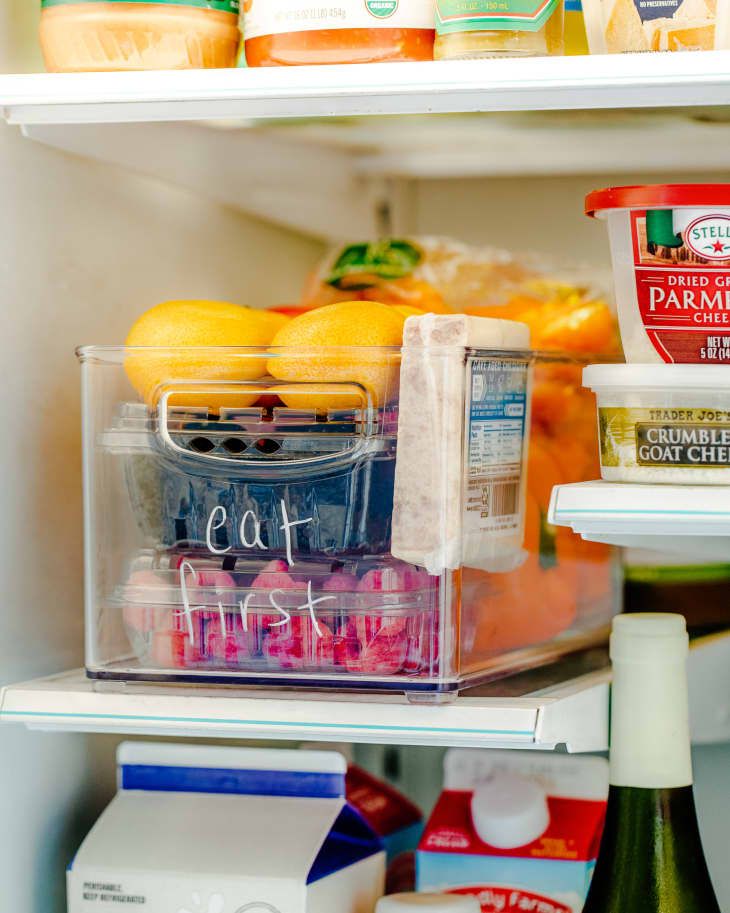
x=379, y=525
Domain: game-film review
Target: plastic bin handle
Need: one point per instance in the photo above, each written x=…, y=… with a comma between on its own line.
x=343, y=448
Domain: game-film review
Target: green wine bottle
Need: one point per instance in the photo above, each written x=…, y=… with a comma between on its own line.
x=651, y=858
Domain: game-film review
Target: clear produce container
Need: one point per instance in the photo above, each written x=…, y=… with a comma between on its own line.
x=244, y=529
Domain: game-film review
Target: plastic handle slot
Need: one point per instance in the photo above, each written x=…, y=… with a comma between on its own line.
x=192, y=424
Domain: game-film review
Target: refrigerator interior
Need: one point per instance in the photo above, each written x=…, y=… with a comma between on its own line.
x=85, y=248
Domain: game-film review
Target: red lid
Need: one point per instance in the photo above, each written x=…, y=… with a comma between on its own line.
x=657, y=196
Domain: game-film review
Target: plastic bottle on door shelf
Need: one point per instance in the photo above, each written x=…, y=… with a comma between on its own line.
x=291, y=32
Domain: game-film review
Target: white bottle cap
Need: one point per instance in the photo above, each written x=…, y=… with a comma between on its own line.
x=648, y=637
x=509, y=810
x=432, y=903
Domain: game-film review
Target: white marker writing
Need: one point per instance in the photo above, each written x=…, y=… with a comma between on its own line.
x=311, y=603
x=256, y=541
x=211, y=525
x=275, y=605
x=286, y=527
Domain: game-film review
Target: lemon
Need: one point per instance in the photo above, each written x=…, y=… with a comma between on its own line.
x=340, y=343
x=180, y=324
x=407, y=310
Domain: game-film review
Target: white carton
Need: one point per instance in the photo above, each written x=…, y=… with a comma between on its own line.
x=519, y=830
x=199, y=829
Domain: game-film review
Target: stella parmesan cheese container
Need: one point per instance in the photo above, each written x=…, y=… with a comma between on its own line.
x=663, y=423
x=620, y=26
x=670, y=246
x=93, y=35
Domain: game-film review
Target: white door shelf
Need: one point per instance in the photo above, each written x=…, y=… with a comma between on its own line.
x=690, y=519
x=537, y=83
x=572, y=713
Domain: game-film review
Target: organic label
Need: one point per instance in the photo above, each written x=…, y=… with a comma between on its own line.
x=276, y=17
x=381, y=9
x=682, y=270
x=223, y=6
x=476, y=15
x=689, y=438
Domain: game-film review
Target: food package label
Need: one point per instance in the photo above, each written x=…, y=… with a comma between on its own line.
x=664, y=436
x=653, y=25
x=276, y=17
x=475, y=15
x=682, y=269
x=497, y=408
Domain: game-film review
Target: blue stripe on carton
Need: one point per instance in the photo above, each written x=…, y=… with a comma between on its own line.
x=304, y=784
x=350, y=840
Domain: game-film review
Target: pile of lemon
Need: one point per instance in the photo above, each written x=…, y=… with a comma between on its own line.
x=338, y=356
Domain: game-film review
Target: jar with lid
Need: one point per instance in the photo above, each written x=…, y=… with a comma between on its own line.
x=295, y=32
x=96, y=35
x=508, y=28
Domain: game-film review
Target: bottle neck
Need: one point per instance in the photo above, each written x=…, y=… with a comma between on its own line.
x=650, y=742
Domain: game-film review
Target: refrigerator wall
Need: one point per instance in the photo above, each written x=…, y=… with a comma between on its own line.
x=83, y=250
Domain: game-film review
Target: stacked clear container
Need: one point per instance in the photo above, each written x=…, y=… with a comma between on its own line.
x=356, y=533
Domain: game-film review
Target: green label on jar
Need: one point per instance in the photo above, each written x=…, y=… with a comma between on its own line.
x=483, y=15
x=223, y=6
x=381, y=9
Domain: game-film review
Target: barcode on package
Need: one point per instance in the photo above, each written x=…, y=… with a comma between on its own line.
x=496, y=415
x=503, y=499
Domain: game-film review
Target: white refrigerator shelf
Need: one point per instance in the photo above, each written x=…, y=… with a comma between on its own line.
x=693, y=520
x=559, y=705
x=573, y=713
x=537, y=83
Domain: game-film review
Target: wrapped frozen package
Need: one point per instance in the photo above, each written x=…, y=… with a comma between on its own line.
x=438, y=523
x=621, y=26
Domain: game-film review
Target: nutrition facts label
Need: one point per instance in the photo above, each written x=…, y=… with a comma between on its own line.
x=497, y=409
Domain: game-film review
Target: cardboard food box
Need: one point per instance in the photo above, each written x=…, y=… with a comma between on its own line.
x=520, y=830
x=199, y=829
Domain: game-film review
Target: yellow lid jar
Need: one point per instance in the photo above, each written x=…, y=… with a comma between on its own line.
x=95, y=35
x=498, y=28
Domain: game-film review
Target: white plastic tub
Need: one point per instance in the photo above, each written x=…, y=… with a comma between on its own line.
x=663, y=423
x=670, y=246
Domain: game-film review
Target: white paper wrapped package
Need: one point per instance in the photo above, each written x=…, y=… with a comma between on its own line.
x=462, y=433
x=621, y=26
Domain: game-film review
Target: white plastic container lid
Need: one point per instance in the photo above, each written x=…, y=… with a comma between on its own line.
x=433, y=903
x=657, y=377
x=509, y=810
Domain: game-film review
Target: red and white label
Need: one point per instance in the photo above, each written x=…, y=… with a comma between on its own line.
x=685, y=305
x=500, y=899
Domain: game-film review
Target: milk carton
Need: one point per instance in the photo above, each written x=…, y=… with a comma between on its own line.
x=520, y=830
x=199, y=829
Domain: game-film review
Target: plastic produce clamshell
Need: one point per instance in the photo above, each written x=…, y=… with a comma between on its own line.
x=384, y=528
